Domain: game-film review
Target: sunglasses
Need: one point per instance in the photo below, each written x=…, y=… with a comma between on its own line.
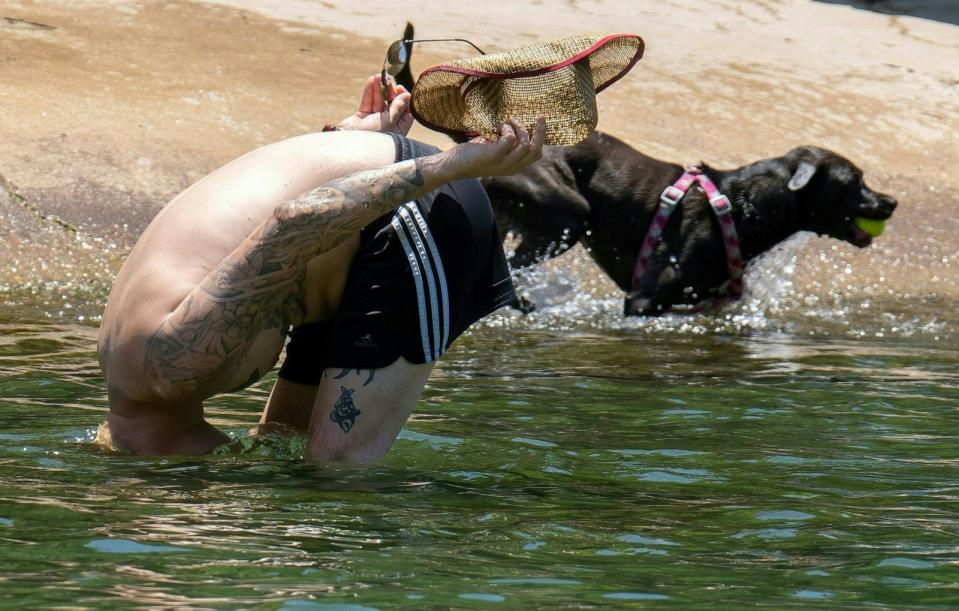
x=398, y=55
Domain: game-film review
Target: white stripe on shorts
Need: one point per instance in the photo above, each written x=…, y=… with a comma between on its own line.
x=418, y=281
x=440, y=272
x=428, y=271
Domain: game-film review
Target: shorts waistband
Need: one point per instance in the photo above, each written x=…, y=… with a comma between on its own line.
x=410, y=149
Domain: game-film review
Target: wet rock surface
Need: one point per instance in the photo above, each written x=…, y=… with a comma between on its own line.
x=107, y=110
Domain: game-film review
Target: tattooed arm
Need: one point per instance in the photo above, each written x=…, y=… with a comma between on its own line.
x=256, y=287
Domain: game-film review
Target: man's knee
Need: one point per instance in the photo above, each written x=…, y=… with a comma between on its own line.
x=159, y=434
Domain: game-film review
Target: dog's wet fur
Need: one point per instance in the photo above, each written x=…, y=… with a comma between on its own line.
x=604, y=193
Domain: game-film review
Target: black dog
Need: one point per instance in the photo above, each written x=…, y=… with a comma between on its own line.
x=604, y=193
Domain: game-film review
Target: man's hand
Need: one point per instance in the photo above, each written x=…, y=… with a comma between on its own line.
x=376, y=115
x=514, y=150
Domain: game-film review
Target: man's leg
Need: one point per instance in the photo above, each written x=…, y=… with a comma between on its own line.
x=291, y=401
x=159, y=430
x=228, y=331
x=359, y=412
x=253, y=289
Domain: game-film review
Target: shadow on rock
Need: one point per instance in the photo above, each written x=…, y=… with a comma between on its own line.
x=936, y=10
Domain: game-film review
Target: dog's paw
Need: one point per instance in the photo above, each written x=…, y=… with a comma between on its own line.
x=642, y=306
x=523, y=304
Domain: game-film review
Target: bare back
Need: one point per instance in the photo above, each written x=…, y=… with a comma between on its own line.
x=205, y=223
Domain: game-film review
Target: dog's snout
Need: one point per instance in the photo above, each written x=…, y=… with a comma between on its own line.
x=885, y=204
x=888, y=202
x=879, y=202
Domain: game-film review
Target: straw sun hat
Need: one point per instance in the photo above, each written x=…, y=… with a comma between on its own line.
x=558, y=80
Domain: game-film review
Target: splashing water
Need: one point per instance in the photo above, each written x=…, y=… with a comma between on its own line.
x=797, y=447
x=51, y=267
x=790, y=447
x=901, y=286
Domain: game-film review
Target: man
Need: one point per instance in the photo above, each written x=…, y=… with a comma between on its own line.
x=203, y=303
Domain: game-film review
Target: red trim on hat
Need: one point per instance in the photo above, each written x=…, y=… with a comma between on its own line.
x=551, y=68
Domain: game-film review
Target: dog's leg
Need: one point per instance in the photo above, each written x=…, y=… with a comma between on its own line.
x=647, y=299
x=541, y=209
x=538, y=246
x=551, y=240
x=664, y=283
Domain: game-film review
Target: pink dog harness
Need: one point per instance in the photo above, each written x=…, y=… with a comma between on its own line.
x=733, y=287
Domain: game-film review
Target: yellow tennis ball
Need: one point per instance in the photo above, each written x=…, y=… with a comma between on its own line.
x=871, y=226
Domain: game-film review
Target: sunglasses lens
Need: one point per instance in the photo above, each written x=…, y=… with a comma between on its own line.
x=396, y=57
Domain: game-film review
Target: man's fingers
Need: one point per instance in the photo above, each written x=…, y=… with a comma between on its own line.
x=521, y=153
x=529, y=145
x=522, y=138
x=399, y=106
x=366, y=100
x=378, y=105
x=507, y=138
x=515, y=149
x=539, y=135
x=393, y=89
x=533, y=148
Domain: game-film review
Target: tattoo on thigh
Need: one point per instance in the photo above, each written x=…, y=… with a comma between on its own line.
x=259, y=286
x=344, y=372
x=344, y=411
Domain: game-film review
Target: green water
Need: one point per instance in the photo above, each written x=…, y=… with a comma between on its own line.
x=801, y=464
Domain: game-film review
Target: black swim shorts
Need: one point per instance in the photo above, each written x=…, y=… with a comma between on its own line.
x=422, y=276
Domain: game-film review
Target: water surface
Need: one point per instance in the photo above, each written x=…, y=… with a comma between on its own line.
x=715, y=459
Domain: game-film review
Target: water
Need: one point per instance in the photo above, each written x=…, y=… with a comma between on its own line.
x=773, y=454
x=798, y=449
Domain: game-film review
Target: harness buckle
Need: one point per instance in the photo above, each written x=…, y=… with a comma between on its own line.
x=721, y=205
x=671, y=195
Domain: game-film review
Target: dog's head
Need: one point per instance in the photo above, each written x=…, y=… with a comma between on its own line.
x=831, y=193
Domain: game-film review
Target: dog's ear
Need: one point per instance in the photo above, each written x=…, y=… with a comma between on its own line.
x=801, y=177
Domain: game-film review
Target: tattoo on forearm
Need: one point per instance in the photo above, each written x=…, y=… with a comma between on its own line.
x=260, y=285
x=344, y=372
x=343, y=207
x=344, y=411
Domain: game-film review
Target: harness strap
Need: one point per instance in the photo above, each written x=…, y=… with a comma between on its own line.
x=721, y=207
